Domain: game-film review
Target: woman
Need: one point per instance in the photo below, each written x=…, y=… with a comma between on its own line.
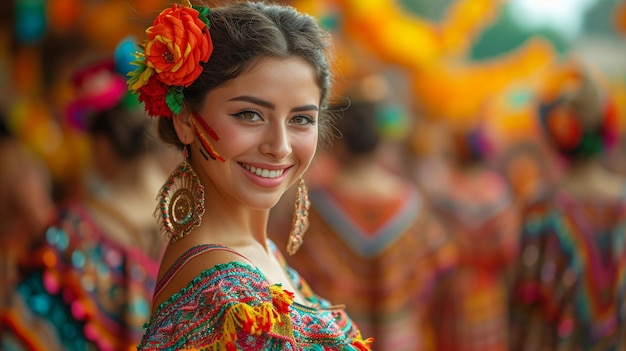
x=570, y=279
x=88, y=283
x=26, y=209
x=243, y=91
x=479, y=211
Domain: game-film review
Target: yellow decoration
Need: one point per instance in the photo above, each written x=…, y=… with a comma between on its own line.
x=459, y=91
x=445, y=83
x=409, y=40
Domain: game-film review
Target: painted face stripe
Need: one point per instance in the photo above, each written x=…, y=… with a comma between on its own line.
x=204, y=153
x=206, y=127
x=205, y=141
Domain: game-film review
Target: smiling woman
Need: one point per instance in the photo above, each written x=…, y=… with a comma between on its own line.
x=247, y=103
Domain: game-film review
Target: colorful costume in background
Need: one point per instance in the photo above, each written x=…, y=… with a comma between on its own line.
x=470, y=312
x=82, y=290
x=570, y=286
x=379, y=257
x=232, y=306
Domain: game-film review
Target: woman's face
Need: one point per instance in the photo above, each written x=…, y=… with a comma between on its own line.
x=266, y=122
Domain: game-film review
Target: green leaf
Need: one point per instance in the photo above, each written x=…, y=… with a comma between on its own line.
x=174, y=99
x=203, y=14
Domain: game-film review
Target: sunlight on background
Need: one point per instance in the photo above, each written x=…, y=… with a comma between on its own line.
x=566, y=16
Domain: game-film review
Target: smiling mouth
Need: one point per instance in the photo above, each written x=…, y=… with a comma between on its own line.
x=265, y=173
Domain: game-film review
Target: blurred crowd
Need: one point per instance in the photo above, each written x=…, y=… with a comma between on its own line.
x=464, y=205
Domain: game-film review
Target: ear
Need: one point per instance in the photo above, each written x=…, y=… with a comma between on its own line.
x=183, y=126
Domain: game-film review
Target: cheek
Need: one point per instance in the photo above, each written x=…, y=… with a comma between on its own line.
x=306, y=146
x=226, y=140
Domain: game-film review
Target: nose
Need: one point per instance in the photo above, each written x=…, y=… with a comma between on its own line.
x=276, y=142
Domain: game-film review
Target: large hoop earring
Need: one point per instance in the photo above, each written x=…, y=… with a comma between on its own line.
x=181, y=201
x=300, y=219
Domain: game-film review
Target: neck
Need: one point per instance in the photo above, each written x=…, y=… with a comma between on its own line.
x=142, y=176
x=230, y=224
x=363, y=176
x=590, y=179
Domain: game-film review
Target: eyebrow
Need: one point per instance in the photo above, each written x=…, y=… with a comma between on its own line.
x=269, y=105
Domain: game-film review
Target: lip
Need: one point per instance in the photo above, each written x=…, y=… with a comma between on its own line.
x=263, y=181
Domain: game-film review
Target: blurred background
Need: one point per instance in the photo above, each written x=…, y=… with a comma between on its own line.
x=458, y=85
x=458, y=61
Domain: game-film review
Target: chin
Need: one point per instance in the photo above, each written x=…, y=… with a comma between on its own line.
x=263, y=205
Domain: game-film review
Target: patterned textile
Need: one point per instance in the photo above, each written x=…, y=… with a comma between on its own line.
x=380, y=258
x=570, y=282
x=470, y=311
x=232, y=306
x=82, y=291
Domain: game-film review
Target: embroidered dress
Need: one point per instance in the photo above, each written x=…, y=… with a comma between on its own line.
x=82, y=291
x=378, y=257
x=570, y=283
x=232, y=306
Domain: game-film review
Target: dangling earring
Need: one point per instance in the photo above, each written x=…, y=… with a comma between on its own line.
x=300, y=219
x=181, y=201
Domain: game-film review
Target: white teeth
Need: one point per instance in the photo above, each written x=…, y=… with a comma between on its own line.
x=265, y=173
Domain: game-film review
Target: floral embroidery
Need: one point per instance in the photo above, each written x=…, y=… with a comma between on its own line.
x=178, y=45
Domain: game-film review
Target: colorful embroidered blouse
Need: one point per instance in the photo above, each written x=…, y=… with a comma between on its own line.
x=233, y=307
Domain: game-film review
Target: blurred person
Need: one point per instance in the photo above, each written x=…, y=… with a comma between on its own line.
x=529, y=170
x=372, y=240
x=26, y=209
x=89, y=284
x=429, y=153
x=470, y=309
x=570, y=279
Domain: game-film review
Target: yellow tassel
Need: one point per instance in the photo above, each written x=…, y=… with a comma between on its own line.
x=229, y=331
x=244, y=316
x=253, y=320
x=268, y=316
x=281, y=298
x=362, y=345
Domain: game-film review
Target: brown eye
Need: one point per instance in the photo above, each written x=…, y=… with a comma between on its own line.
x=302, y=120
x=248, y=115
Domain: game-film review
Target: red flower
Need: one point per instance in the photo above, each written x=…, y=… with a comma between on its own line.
x=178, y=42
x=152, y=94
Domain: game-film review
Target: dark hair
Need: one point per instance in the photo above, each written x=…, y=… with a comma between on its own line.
x=470, y=146
x=5, y=131
x=589, y=116
x=357, y=125
x=127, y=129
x=244, y=32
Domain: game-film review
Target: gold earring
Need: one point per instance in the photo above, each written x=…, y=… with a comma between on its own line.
x=181, y=201
x=300, y=219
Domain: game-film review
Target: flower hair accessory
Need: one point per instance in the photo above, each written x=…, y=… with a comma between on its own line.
x=171, y=59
